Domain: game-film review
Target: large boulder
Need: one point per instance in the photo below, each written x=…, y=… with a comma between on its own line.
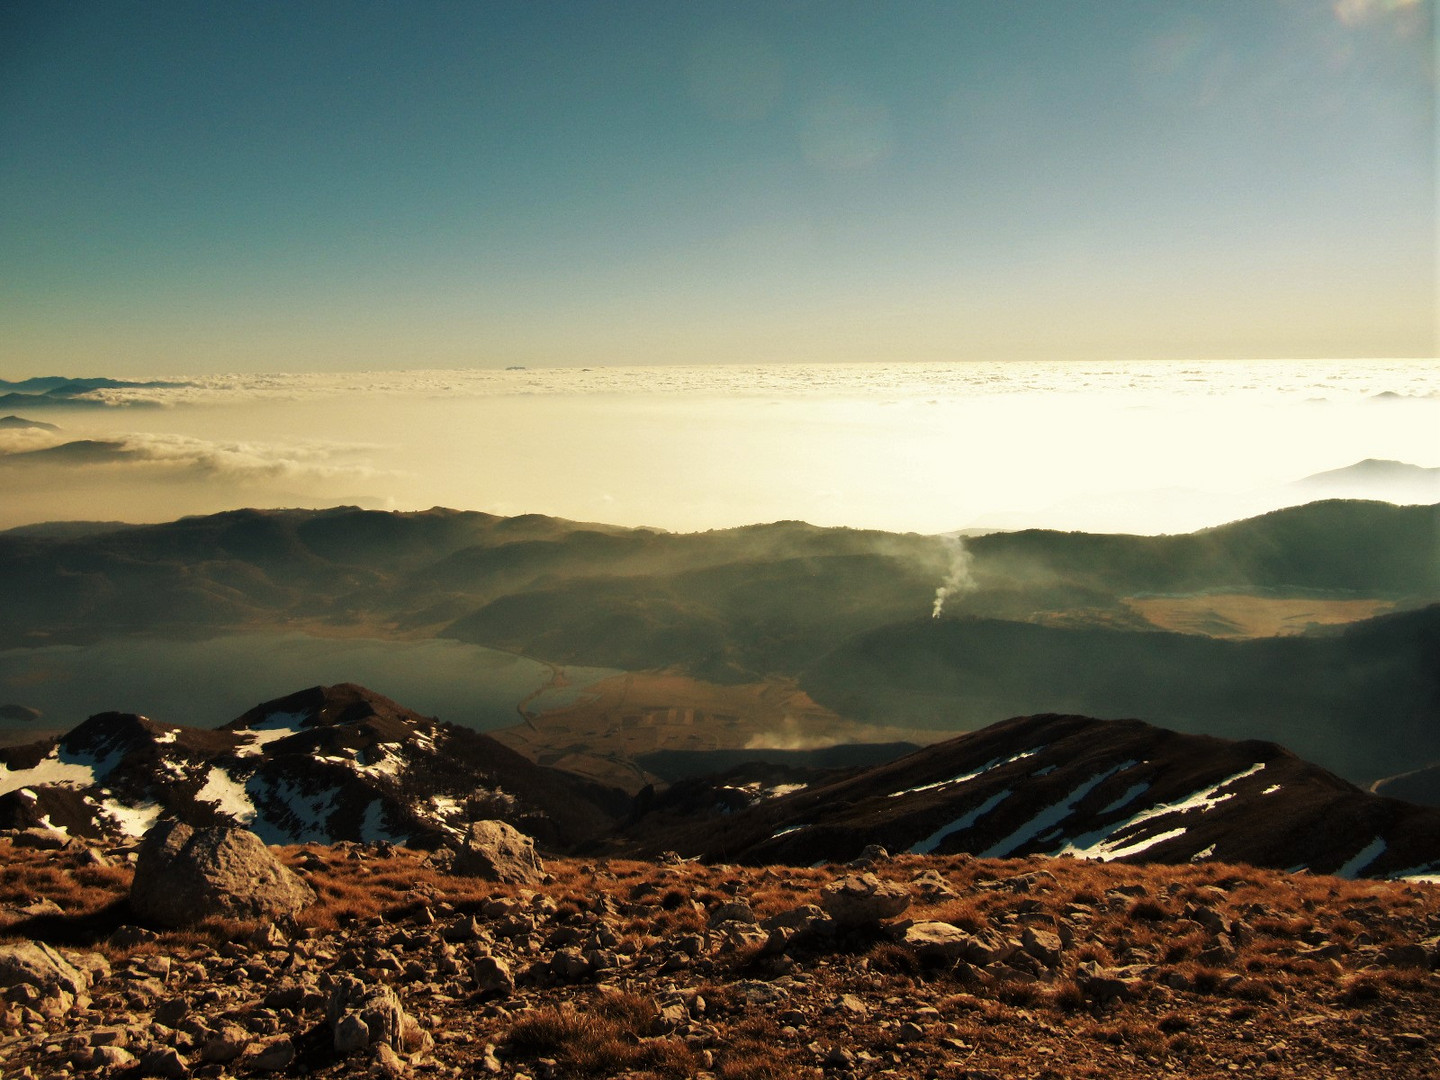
x=863, y=899
x=184, y=875
x=499, y=852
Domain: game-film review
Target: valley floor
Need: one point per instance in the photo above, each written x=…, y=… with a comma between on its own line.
x=1067, y=969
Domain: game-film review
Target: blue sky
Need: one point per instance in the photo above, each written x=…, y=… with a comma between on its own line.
x=276, y=186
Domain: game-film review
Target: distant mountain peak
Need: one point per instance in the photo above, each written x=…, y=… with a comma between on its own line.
x=1373, y=469
x=323, y=706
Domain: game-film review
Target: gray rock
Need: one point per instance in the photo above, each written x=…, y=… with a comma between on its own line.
x=40, y=838
x=274, y=1056
x=1042, y=945
x=569, y=965
x=50, y=984
x=499, y=852
x=388, y=1063
x=862, y=899
x=225, y=1045
x=732, y=911
x=167, y=1062
x=184, y=875
x=33, y=963
x=359, y=1012
x=873, y=853
x=351, y=1034
x=936, y=941
x=111, y=1057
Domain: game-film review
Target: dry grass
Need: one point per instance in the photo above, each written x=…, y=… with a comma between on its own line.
x=610, y=1033
x=1191, y=1002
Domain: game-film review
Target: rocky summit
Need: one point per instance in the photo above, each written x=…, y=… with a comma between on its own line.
x=946, y=967
x=327, y=763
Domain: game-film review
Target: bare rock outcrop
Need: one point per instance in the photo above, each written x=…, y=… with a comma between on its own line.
x=53, y=985
x=497, y=851
x=184, y=875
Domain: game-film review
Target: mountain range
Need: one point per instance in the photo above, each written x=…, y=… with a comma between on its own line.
x=340, y=763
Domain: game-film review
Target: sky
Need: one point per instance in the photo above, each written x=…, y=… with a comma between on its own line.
x=191, y=188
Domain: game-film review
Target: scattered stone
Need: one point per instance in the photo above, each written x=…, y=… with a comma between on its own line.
x=936, y=942
x=1042, y=945
x=273, y=1056
x=127, y=936
x=872, y=854
x=732, y=911
x=166, y=1062
x=111, y=1057
x=361, y=1016
x=225, y=1045
x=33, y=963
x=493, y=977
x=39, y=838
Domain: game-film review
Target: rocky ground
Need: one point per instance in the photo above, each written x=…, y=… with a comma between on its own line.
x=939, y=966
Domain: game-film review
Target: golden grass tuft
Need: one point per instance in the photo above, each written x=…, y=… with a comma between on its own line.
x=612, y=1034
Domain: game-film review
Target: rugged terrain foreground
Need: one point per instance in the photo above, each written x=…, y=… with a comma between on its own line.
x=1038, y=968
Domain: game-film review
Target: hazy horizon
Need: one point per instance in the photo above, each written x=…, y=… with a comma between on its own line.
x=902, y=447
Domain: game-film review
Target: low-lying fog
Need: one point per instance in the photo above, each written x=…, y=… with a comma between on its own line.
x=923, y=447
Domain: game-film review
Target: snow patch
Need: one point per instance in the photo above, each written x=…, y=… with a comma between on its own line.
x=309, y=812
x=931, y=842
x=1143, y=844
x=963, y=778
x=228, y=795
x=1207, y=853
x=1271, y=789
x=288, y=722
x=260, y=739
x=1051, y=815
x=60, y=768
x=1362, y=858
x=373, y=829
x=385, y=760
x=1117, y=840
x=132, y=820
x=1133, y=793
x=1203, y=799
x=787, y=831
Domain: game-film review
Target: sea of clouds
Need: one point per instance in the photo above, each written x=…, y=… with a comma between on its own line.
x=1142, y=447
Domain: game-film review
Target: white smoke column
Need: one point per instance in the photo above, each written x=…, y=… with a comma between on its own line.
x=959, y=580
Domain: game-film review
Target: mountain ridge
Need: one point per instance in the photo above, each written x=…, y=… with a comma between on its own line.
x=343, y=763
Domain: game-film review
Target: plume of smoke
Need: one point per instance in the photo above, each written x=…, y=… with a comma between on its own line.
x=958, y=580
